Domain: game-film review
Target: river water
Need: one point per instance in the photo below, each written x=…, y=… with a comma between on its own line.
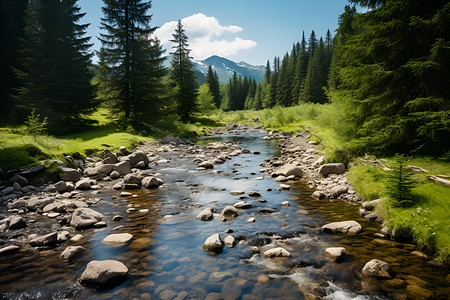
x=166, y=259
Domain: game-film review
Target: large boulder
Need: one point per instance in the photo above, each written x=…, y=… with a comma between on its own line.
x=213, y=243
x=335, y=253
x=117, y=238
x=132, y=179
x=38, y=203
x=349, y=227
x=85, y=217
x=378, y=268
x=288, y=170
x=45, y=240
x=334, y=168
x=123, y=168
x=277, y=252
x=69, y=174
x=104, y=273
x=338, y=190
x=99, y=171
x=151, y=182
x=205, y=215
x=17, y=223
x=70, y=252
x=84, y=184
x=230, y=211
x=136, y=157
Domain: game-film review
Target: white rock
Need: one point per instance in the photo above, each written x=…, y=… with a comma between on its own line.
x=71, y=251
x=229, y=241
x=213, y=243
x=117, y=238
x=205, y=215
x=377, y=268
x=277, y=252
x=103, y=274
x=335, y=253
x=349, y=227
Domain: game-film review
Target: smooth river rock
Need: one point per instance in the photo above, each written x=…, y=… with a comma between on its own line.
x=85, y=217
x=334, y=168
x=335, y=253
x=277, y=252
x=378, y=268
x=45, y=240
x=288, y=170
x=117, y=238
x=230, y=211
x=205, y=215
x=349, y=227
x=70, y=252
x=213, y=243
x=104, y=273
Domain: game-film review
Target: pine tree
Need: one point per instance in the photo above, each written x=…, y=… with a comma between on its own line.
x=133, y=59
x=271, y=96
x=267, y=73
x=394, y=77
x=399, y=184
x=183, y=75
x=282, y=96
x=312, y=44
x=55, y=65
x=213, y=82
x=301, y=69
x=259, y=96
x=12, y=31
x=316, y=78
x=205, y=99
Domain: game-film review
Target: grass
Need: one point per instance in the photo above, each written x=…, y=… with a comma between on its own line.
x=427, y=222
x=19, y=149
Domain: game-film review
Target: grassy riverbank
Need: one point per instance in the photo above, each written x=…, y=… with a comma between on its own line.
x=427, y=223
x=17, y=148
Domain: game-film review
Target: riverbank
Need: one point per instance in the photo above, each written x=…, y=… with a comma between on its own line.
x=426, y=223
x=163, y=190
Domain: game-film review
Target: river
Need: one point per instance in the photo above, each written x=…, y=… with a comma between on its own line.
x=166, y=259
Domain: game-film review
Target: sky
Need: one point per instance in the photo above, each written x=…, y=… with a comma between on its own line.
x=253, y=31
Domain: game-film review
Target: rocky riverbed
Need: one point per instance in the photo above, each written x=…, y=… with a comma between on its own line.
x=126, y=218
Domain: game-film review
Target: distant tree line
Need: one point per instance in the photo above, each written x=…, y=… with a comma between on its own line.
x=45, y=65
x=302, y=75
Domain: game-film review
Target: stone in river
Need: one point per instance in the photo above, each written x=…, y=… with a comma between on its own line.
x=254, y=194
x=285, y=203
x=338, y=190
x=104, y=273
x=230, y=211
x=251, y=220
x=213, y=243
x=85, y=217
x=70, y=252
x=266, y=210
x=243, y=205
x=17, y=223
x=281, y=178
x=285, y=187
x=378, y=268
x=9, y=249
x=45, y=240
x=349, y=227
x=205, y=215
x=335, y=253
x=277, y=252
x=229, y=241
x=237, y=192
x=288, y=170
x=117, y=238
x=318, y=195
x=206, y=165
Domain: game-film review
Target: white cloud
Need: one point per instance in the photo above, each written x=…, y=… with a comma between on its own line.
x=204, y=36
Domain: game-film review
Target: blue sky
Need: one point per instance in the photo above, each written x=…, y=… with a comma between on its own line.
x=241, y=30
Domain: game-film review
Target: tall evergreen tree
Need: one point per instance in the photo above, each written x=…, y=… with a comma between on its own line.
x=55, y=64
x=12, y=31
x=312, y=44
x=271, y=96
x=183, y=75
x=131, y=57
x=214, y=86
x=394, y=75
x=301, y=69
x=267, y=73
x=316, y=78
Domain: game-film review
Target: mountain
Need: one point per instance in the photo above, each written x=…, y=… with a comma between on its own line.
x=225, y=68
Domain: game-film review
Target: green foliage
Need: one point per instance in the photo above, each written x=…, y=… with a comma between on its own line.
x=205, y=99
x=427, y=220
x=399, y=184
x=183, y=75
x=213, y=82
x=35, y=126
x=393, y=74
x=55, y=71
